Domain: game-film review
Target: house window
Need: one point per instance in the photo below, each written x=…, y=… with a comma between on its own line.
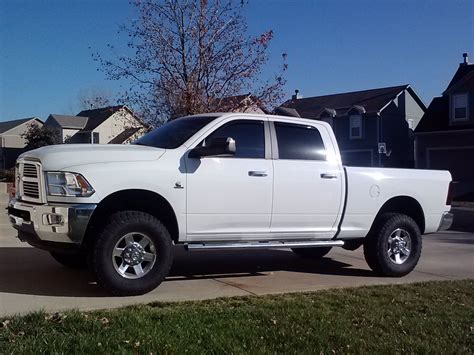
x=355, y=126
x=95, y=138
x=459, y=107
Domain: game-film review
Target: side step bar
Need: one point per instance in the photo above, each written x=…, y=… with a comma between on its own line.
x=265, y=245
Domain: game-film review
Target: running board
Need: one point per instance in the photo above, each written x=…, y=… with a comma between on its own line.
x=265, y=245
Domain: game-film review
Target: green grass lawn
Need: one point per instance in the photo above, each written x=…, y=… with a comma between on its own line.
x=433, y=317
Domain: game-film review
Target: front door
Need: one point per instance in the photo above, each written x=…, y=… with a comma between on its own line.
x=230, y=196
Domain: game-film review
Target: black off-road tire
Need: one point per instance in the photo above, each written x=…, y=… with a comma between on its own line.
x=118, y=225
x=312, y=253
x=71, y=260
x=376, y=245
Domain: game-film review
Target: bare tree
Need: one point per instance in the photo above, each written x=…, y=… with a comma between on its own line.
x=188, y=55
x=94, y=98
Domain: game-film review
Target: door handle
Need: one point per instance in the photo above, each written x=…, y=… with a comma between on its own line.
x=257, y=173
x=328, y=176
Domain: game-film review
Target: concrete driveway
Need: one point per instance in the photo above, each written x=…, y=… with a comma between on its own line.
x=31, y=280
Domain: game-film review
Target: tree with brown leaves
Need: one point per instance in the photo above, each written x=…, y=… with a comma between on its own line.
x=188, y=56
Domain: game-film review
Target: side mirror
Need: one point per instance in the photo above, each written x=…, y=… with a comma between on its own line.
x=214, y=146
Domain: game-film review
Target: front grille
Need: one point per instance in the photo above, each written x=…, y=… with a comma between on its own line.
x=31, y=189
x=30, y=181
x=30, y=170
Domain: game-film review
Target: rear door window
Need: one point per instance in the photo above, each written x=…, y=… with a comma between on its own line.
x=299, y=142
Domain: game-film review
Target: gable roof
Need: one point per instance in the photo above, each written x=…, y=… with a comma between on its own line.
x=8, y=125
x=65, y=121
x=436, y=118
x=464, y=71
x=126, y=134
x=372, y=101
x=97, y=116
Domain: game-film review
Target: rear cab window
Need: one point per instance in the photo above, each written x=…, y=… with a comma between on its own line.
x=299, y=142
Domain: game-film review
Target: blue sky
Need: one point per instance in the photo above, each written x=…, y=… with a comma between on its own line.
x=333, y=46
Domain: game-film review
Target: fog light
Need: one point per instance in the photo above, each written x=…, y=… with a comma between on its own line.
x=53, y=218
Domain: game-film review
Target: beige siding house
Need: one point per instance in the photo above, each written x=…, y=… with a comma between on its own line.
x=108, y=125
x=247, y=103
x=11, y=142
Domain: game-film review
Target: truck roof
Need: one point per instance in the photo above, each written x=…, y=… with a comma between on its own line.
x=253, y=115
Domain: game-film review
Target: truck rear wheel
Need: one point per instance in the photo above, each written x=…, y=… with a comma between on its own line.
x=313, y=253
x=393, y=246
x=133, y=254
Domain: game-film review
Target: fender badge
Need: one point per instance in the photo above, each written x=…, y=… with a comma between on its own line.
x=178, y=185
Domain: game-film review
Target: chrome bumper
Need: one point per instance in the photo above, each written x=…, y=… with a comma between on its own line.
x=446, y=221
x=59, y=223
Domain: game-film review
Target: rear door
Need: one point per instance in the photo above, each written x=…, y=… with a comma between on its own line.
x=307, y=181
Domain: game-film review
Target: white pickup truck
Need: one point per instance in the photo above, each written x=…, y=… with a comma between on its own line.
x=220, y=181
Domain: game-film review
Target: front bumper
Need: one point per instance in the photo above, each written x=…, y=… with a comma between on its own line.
x=446, y=221
x=43, y=225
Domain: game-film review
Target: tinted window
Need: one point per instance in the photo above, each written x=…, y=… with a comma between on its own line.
x=249, y=137
x=174, y=133
x=299, y=142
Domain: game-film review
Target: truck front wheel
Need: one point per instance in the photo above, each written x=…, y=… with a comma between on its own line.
x=393, y=246
x=133, y=253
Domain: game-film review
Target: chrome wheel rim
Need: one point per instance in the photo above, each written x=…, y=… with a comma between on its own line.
x=399, y=246
x=134, y=255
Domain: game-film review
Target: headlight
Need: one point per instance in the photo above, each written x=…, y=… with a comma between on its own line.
x=68, y=184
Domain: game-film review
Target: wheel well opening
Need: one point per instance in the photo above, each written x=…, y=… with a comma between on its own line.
x=137, y=200
x=405, y=205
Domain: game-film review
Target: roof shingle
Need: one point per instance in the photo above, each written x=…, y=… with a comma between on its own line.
x=463, y=71
x=8, y=125
x=65, y=121
x=126, y=134
x=371, y=100
x=98, y=116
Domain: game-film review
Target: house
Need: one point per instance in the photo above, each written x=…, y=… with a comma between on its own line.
x=67, y=126
x=247, y=103
x=108, y=125
x=372, y=127
x=12, y=143
x=445, y=135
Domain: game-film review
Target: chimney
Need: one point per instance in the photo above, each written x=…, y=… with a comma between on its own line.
x=297, y=95
x=466, y=59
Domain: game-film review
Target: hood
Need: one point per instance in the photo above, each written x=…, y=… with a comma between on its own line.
x=63, y=156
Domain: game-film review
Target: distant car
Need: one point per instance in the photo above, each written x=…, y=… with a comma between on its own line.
x=220, y=181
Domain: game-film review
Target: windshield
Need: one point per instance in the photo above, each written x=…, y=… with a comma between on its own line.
x=174, y=133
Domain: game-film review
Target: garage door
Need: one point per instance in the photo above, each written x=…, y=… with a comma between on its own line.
x=459, y=161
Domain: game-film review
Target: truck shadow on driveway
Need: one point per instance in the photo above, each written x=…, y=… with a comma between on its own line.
x=34, y=272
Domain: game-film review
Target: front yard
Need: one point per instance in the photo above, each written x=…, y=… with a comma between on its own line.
x=432, y=317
